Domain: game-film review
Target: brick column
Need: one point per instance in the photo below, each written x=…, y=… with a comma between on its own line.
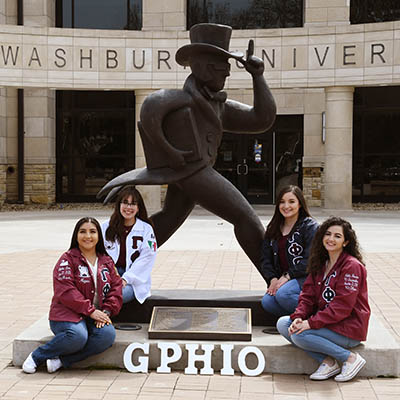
x=40, y=126
x=8, y=126
x=151, y=194
x=3, y=145
x=338, y=148
x=313, y=159
x=326, y=12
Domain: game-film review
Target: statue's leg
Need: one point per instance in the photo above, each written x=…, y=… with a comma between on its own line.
x=216, y=194
x=177, y=207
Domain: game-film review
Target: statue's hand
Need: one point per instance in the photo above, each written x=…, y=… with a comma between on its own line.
x=253, y=64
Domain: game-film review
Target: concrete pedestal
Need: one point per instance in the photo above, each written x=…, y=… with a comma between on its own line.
x=381, y=351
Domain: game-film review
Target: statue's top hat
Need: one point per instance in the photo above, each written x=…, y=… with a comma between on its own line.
x=207, y=38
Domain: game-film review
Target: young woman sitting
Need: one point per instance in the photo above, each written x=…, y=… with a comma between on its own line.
x=87, y=292
x=285, y=251
x=333, y=312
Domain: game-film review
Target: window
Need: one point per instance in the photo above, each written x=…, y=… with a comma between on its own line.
x=376, y=145
x=246, y=14
x=365, y=11
x=99, y=14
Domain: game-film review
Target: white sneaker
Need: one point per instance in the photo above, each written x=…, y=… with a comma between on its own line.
x=53, y=365
x=350, y=370
x=29, y=366
x=325, y=371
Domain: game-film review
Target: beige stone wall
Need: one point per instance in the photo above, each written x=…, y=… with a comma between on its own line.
x=8, y=11
x=40, y=146
x=306, y=57
x=3, y=15
x=338, y=148
x=40, y=183
x=40, y=116
x=326, y=12
x=164, y=15
x=39, y=12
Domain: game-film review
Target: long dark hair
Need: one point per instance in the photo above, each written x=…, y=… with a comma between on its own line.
x=100, y=249
x=319, y=255
x=274, y=226
x=116, y=226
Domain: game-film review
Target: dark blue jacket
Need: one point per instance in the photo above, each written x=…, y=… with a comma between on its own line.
x=297, y=251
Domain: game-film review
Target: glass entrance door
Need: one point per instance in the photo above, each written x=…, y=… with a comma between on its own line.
x=260, y=165
x=95, y=141
x=245, y=160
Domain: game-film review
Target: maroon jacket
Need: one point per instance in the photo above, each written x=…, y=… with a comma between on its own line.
x=74, y=287
x=340, y=302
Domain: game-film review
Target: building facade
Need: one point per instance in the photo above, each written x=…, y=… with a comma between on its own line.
x=73, y=76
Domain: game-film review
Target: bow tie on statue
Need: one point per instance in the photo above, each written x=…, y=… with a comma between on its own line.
x=216, y=96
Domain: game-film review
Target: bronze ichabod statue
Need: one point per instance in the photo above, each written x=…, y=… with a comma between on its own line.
x=181, y=131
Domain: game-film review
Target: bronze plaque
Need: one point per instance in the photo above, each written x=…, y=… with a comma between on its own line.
x=200, y=323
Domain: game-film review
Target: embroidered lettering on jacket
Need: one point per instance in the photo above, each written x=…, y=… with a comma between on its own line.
x=64, y=271
x=351, y=282
x=295, y=249
x=329, y=294
x=104, y=273
x=106, y=289
x=136, y=253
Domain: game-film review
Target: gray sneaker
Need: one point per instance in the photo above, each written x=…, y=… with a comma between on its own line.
x=350, y=370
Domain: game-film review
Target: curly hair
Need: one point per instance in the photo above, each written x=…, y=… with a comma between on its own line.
x=319, y=255
x=116, y=225
x=274, y=226
x=100, y=249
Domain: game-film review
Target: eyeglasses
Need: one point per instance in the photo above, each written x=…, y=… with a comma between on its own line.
x=127, y=204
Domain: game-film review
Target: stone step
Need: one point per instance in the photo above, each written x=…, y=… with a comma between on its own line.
x=381, y=350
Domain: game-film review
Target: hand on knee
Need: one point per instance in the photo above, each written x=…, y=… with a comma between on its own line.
x=105, y=337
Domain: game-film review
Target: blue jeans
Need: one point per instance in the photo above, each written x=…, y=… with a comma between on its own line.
x=74, y=341
x=318, y=343
x=128, y=294
x=285, y=300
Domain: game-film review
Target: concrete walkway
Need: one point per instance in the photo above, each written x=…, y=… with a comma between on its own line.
x=203, y=254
